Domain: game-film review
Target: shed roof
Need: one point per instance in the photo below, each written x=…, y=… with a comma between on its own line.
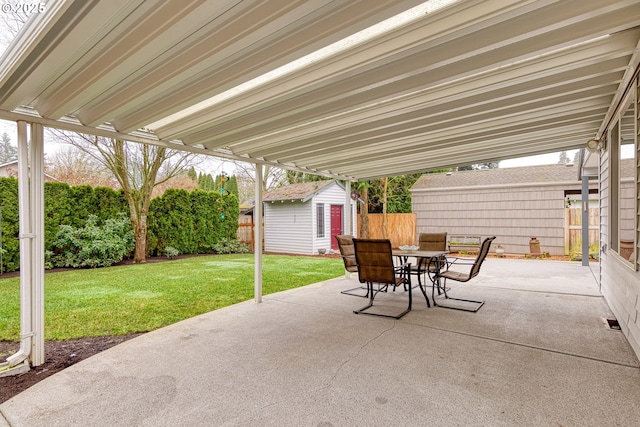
x=474, y=81
x=303, y=191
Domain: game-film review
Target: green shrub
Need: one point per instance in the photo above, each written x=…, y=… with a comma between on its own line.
x=171, y=252
x=92, y=245
x=230, y=246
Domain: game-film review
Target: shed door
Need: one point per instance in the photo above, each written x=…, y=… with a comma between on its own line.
x=336, y=224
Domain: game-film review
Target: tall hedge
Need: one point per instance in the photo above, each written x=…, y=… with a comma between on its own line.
x=58, y=209
x=85, y=203
x=191, y=222
x=10, y=226
x=204, y=211
x=110, y=203
x=170, y=221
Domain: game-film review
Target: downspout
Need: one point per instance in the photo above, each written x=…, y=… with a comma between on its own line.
x=36, y=192
x=10, y=367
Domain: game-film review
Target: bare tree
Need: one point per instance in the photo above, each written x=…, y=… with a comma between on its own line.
x=182, y=181
x=138, y=169
x=272, y=177
x=11, y=23
x=76, y=167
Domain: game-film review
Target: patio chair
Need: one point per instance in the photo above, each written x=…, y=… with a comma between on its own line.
x=345, y=244
x=429, y=242
x=375, y=265
x=460, y=276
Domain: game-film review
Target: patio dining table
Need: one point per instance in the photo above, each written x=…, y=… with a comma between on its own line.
x=432, y=258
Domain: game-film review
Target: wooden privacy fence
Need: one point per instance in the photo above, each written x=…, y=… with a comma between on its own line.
x=246, y=230
x=401, y=228
x=573, y=229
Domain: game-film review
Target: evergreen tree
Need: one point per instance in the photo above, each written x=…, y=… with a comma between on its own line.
x=191, y=173
x=294, y=177
x=478, y=166
x=232, y=185
x=564, y=158
x=206, y=183
x=398, y=196
x=8, y=152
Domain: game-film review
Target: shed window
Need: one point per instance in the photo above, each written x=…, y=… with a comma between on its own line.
x=320, y=219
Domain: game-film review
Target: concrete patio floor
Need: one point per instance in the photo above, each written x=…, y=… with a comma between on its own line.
x=537, y=353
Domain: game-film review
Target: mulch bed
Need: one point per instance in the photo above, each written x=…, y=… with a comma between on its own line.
x=58, y=356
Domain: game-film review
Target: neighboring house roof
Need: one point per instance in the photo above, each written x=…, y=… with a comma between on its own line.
x=13, y=162
x=483, y=177
x=303, y=191
x=10, y=169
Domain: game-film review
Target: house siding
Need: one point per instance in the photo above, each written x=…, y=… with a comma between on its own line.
x=287, y=227
x=512, y=213
x=619, y=280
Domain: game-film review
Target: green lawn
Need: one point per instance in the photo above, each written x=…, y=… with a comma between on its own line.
x=139, y=298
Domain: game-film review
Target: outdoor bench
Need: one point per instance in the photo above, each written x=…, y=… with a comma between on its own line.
x=464, y=242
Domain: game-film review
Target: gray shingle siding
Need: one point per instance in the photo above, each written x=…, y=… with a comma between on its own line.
x=513, y=204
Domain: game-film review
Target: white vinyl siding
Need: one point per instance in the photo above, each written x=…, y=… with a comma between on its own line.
x=288, y=227
x=292, y=227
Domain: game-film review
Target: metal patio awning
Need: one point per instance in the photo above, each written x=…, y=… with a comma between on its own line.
x=474, y=81
x=451, y=83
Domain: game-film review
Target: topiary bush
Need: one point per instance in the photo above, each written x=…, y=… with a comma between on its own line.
x=92, y=245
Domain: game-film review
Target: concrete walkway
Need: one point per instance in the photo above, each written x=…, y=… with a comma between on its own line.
x=537, y=354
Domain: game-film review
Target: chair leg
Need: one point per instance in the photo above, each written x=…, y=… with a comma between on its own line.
x=382, y=288
x=350, y=292
x=447, y=297
x=372, y=295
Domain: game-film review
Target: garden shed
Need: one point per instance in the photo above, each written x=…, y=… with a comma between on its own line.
x=303, y=218
x=514, y=204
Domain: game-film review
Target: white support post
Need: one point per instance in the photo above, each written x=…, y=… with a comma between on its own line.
x=348, y=227
x=257, y=235
x=36, y=150
x=348, y=213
